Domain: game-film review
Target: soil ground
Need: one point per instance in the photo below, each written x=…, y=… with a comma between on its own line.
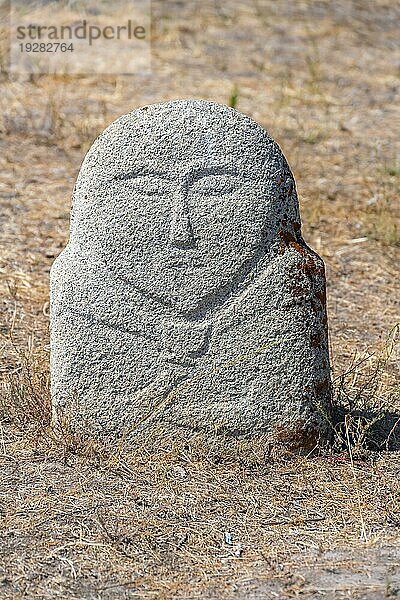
x=179, y=519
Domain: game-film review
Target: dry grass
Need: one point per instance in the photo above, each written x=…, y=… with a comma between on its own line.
x=180, y=518
x=178, y=514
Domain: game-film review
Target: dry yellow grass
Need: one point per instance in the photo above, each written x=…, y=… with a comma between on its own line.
x=186, y=517
x=180, y=518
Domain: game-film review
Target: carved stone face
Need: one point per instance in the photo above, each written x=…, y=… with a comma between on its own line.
x=178, y=202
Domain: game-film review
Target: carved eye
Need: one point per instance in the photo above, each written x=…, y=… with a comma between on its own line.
x=151, y=186
x=217, y=185
x=146, y=185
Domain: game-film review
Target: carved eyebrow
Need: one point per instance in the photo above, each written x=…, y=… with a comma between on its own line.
x=201, y=172
x=192, y=176
x=139, y=173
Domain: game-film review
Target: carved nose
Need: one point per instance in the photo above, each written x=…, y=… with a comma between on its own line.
x=181, y=232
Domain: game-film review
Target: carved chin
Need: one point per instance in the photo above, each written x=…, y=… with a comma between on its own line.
x=184, y=286
x=189, y=296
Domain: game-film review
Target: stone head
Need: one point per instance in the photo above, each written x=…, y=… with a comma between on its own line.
x=181, y=200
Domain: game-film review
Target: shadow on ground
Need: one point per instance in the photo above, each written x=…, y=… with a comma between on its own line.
x=371, y=429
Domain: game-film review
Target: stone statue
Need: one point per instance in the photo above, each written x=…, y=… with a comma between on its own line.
x=186, y=295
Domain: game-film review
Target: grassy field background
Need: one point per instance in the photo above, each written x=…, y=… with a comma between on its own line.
x=178, y=518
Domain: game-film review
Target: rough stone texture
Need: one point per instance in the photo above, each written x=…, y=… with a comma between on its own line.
x=186, y=294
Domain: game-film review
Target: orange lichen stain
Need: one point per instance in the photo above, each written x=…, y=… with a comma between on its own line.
x=296, y=437
x=322, y=386
x=309, y=266
x=299, y=291
x=315, y=339
x=289, y=241
x=296, y=226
